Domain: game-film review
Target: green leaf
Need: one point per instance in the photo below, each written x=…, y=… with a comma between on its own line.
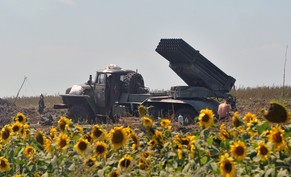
x=209, y=141
x=261, y=128
x=203, y=160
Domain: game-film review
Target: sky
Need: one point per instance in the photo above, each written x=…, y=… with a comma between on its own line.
x=58, y=43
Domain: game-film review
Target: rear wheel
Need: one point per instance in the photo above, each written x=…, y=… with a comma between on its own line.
x=81, y=113
x=188, y=114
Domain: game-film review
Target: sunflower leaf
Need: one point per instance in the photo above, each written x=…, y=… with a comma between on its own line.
x=261, y=128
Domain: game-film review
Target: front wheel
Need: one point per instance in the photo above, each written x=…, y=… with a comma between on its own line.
x=80, y=113
x=187, y=114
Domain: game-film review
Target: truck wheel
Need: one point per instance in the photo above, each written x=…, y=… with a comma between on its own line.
x=188, y=114
x=134, y=83
x=80, y=113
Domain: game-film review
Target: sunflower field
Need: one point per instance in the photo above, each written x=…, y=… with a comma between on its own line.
x=246, y=145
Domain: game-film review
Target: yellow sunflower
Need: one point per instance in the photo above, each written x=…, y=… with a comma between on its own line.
x=136, y=141
x=126, y=162
x=4, y=164
x=88, y=137
x=16, y=128
x=29, y=151
x=63, y=141
x=152, y=143
x=236, y=122
x=165, y=123
x=53, y=133
x=227, y=167
x=263, y=150
x=276, y=137
x=206, y=118
x=64, y=123
x=6, y=133
x=238, y=150
x=146, y=121
x=118, y=137
x=48, y=146
x=89, y=162
x=223, y=133
x=20, y=117
x=277, y=113
x=25, y=131
x=249, y=117
x=79, y=129
x=98, y=133
x=142, y=110
x=100, y=149
x=114, y=173
x=82, y=146
x=252, y=127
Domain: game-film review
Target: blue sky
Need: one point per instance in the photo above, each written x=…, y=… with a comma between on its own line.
x=58, y=43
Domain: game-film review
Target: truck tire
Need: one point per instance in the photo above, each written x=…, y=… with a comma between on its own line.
x=188, y=113
x=80, y=113
x=134, y=83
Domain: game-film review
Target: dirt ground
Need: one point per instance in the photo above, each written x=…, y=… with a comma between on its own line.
x=8, y=110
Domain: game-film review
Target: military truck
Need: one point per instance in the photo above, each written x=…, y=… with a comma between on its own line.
x=116, y=91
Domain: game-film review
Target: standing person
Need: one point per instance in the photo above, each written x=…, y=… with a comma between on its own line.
x=41, y=105
x=224, y=110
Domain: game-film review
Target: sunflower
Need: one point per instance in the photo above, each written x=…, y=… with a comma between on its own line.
x=126, y=162
x=53, y=133
x=249, y=117
x=63, y=141
x=64, y=123
x=152, y=143
x=223, y=133
x=89, y=162
x=142, y=110
x=82, y=146
x=192, y=151
x=252, y=127
x=263, y=150
x=48, y=146
x=136, y=141
x=79, y=129
x=88, y=137
x=29, y=151
x=236, y=122
x=206, y=118
x=277, y=113
x=165, y=123
x=276, y=137
x=146, y=121
x=143, y=163
x=25, y=131
x=100, y=149
x=118, y=137
x=17, y=127
x=227, y=167
x=6, y=133
x=40, y=138
x=114, y=173
x=238, y=150
x=4, y=164
x=98, y=133
x=20, y=118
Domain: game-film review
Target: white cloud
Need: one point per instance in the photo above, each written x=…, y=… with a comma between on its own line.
x=68, y=2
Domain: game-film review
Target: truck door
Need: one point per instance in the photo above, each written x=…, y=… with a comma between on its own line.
x=100, y=90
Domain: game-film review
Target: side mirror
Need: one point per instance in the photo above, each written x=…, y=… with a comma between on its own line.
x=90, y=80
